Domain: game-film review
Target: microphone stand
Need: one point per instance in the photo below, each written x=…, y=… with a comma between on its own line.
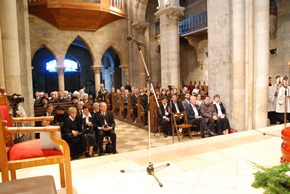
x=150, y=168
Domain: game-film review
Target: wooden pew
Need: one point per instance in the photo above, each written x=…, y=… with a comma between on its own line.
x=39, y=111
x=130, y=115
x=141, y=115
x=115, y=108
x=121, y=107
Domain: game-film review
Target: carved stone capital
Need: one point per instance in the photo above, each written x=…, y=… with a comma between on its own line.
x=140, y=27
x=125, y=68
x=60, y=70
x=97, y=69
x=172, y=13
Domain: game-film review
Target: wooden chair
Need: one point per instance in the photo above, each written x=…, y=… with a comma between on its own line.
x=184, y=126
x=31, y=154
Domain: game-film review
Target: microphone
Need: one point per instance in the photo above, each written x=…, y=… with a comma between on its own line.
x=131, y=38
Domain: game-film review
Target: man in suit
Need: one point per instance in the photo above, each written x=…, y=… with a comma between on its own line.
x=134, y=103
x=164, y=117
x=177, y=107
x=194, y=115
x=186, y=102
x=101, y=93
x=106, y=127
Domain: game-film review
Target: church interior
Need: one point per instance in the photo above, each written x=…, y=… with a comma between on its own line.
x=233, y=49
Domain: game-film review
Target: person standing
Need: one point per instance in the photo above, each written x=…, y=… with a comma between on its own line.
x=272, y=103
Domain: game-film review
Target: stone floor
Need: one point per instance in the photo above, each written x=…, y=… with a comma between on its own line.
x=218, y=165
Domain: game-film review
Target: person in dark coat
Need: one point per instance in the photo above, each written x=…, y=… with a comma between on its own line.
x=88, y=131
x=221, y=113
x=106, y=127
x=71, y=133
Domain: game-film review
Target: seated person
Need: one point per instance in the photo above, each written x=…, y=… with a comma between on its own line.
x=88, y=131
x=221, y=113
x=209, y=113
x=71, y=133
x=106, y=127
x=194, y=116
x=177, y=107
x=96, y=108
x=60, y=116
x=164, y=116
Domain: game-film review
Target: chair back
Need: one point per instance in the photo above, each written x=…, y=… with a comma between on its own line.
x=6, y=140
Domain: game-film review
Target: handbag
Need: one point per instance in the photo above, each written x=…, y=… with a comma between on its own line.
x=109, y=148
x=88, y=129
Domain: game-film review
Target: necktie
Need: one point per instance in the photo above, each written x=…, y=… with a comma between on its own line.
x=105, y=120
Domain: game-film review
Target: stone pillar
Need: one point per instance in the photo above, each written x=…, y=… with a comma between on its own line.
x=238, y=75
x=10, y=46
x=261, y=62
x=125, y=74
x=220, y=52
x=140, y=29
x=60, y=74
x=97, y=70
x=169, y=42
x=249, y=98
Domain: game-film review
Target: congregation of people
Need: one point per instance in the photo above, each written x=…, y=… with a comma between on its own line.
x=85, y=120
x=278, y=100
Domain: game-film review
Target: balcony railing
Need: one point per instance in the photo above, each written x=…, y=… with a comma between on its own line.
x=193, y=24
x=114, y=4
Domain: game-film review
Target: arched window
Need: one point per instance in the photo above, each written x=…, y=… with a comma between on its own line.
x=70, y=66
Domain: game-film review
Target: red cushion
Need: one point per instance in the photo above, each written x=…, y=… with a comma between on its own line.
x=30, y=149
x=4, y=111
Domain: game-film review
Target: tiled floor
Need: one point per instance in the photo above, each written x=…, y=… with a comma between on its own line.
x=132, y=138
x=218, y=165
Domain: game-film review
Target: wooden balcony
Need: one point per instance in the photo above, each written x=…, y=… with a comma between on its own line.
x=78, y=14
x=194, y=26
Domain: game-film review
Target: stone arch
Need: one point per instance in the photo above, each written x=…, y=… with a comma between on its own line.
x=85, y=39
x=47, y=45
x=140, y=12
x=121, y=54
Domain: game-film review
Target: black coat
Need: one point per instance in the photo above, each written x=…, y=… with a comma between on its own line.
x=179, y=105
x=68, y=126
x=190, y=112
x=109, y=119
x=222, y=108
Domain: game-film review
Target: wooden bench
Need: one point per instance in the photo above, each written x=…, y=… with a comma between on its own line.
x=40, y=111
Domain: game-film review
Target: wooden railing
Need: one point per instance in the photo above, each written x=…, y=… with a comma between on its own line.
x=115, y=5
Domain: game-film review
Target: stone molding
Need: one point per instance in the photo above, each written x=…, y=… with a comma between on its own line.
x=97, y=69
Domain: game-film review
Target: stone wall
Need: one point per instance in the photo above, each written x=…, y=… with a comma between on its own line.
x=281, y=41
x=58, y=41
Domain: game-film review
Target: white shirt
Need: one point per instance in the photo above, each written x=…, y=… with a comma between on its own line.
x=219, y=110
x=176, y=107
x=195, y=110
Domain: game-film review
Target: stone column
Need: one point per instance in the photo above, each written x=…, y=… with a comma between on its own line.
x=261, y=61
x=97, y=70
x=220, y=67
x=238, y=71
x=140, y=28
x=125, y=74
x=10, y=46
x=169, y=42
x=60, y=74
x=249, y=64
